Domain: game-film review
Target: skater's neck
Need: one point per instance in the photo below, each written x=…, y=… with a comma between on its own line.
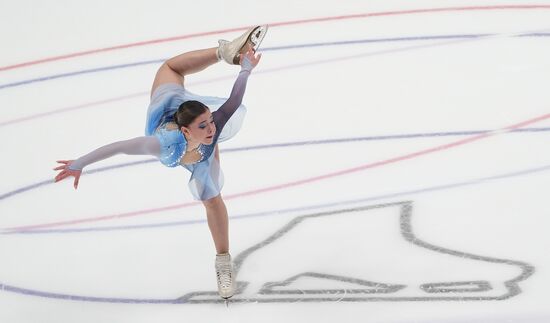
x=192, y=145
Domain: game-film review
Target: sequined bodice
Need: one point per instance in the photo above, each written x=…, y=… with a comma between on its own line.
x=203, y=151
x=206, y=150
x=177, y=146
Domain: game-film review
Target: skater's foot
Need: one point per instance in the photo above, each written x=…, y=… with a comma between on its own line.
x=224, y=275
x=229, y=51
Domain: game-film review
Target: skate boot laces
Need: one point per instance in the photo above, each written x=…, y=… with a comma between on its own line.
x=224, y=275
x=223, y=272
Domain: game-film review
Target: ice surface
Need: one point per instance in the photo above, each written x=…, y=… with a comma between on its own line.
x=393, y=166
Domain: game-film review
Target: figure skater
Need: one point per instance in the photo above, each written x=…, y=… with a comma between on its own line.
x=184, y=129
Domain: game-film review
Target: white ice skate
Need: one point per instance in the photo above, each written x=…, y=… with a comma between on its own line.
x=229, y=50
x=224, y=275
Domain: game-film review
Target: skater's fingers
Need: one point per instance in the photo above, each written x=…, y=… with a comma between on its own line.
x=68, y=172
x=60, y=167
x=250, y=52
x=249, y=59
x=255, y=59
x=61, y=176
x=76, y=180
x=245, y=55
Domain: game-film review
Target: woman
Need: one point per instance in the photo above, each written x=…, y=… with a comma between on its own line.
x=181, y=130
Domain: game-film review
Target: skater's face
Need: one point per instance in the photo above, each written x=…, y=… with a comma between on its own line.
x=202, y=129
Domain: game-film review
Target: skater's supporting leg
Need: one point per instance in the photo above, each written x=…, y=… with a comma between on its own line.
x=175, y=69
x=218, y=222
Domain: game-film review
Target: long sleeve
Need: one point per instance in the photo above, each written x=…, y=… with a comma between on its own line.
x=235, y=99
x=148, y=145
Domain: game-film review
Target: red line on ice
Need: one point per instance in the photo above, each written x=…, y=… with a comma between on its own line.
x=273, y=24
x=294, y=183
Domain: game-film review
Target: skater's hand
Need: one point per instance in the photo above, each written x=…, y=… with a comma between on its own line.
x=249, y=59
x=66, y=172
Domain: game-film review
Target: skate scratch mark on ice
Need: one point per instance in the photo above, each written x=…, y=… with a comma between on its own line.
x=299, y=182
x=276, y=24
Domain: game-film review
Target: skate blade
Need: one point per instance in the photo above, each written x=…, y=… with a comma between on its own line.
x=257, y=36
x=226, y=300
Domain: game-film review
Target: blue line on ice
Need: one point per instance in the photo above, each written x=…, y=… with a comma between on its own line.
x=267, y=49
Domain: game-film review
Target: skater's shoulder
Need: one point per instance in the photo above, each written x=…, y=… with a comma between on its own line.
x=169, y=134
x=171, y=126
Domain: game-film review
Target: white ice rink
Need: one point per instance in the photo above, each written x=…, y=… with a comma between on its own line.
x=394, y=164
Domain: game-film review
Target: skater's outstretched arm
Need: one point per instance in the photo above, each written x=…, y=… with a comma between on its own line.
x=247, y=61
x=137, y=146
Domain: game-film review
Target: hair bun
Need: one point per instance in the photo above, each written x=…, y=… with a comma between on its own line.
x=188, y=111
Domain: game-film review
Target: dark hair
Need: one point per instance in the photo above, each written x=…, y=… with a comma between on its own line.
x=188, y=111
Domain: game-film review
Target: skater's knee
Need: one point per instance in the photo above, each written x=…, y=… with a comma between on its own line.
x=165, y=74
x=166, y=70
x=213, y=202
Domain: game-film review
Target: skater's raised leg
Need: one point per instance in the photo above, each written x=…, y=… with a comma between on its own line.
x=174, y=69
